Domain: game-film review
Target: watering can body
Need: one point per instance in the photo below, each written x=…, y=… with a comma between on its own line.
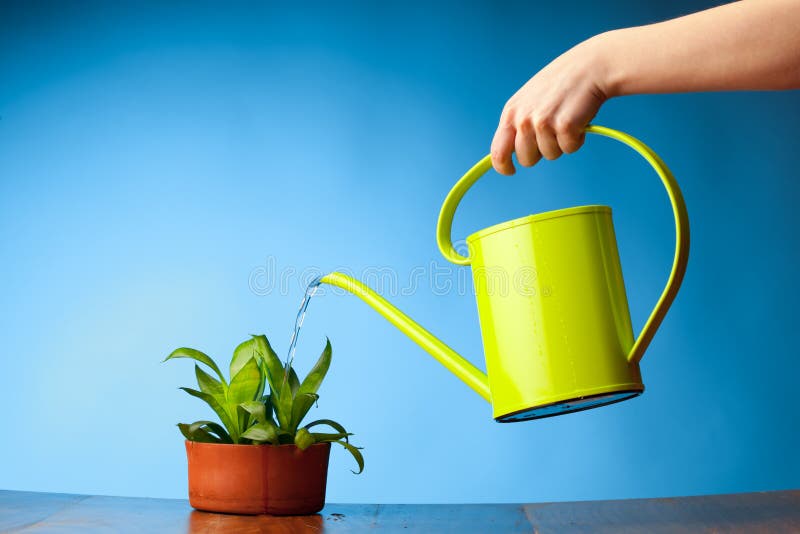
x=553, y=313
x=552, y=306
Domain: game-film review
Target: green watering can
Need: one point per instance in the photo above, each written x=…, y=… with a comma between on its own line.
x=559, y=338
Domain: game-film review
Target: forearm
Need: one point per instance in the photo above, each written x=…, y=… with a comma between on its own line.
x=747, y=45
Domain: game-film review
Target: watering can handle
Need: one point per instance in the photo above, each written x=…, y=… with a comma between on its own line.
x=444, y=228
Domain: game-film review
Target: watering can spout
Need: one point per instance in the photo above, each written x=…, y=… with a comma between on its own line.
x=468, y=373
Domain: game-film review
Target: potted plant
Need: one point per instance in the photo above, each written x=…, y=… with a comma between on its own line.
x=251, y=462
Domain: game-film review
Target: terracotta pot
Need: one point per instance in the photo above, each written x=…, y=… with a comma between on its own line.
x=257, y=479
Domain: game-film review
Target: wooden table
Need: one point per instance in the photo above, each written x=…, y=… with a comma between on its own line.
x=773, y=512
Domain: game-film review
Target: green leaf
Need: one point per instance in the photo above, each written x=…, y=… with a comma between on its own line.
x=294, y=382
x=233, y=430
x=267, y=401
x=244, y=387
x=302, y=404
x=256, y=409
x=321, y=437
x=184, y=428
x=356, y=452
x=303, y=439
x=331, y=423
x=283, y=408
x=317, y=374
x=198, y=356
x=220, y=431
x=242, y=354
x=212, y=427
x=262, y=432
x=271, y=362
x=200, y=435
x=209, y=384
x=307, y=392
x=262, y=381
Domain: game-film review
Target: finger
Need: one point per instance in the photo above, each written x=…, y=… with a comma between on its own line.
x=570, y=138
x=570, y=141
x=502, y=148
x=525, y=145
x=548, y=144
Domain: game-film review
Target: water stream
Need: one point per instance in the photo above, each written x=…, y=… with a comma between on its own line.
x=301, y=316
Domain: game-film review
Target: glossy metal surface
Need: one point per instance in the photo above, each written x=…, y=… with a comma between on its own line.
x=553, y=310
x=460, y=367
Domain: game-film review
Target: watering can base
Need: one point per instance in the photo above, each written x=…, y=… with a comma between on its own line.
x=576, y=404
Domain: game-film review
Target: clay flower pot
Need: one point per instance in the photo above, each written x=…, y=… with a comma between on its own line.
x=257, y=479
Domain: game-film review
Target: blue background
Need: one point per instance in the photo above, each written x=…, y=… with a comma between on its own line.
x=153, y=159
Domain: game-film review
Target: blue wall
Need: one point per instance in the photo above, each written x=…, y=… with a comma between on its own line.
x=155, y=161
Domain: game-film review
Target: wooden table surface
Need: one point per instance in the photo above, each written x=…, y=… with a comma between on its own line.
x=773, y=512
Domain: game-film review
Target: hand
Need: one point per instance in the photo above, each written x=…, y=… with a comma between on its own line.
x=546, y=117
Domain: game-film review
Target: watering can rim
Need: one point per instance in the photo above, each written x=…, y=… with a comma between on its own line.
x=538, y=217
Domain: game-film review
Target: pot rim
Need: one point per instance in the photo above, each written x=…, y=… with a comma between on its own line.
x=238, y=445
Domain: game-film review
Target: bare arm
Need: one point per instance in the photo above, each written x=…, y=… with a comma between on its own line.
x=747, y=45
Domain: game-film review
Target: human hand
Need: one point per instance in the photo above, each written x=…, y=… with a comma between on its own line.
x=547, y=116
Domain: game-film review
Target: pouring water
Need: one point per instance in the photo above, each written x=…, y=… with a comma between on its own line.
x=298, y=323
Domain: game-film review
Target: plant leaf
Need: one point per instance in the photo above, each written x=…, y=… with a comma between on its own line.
x=356, y=452
x=184, y=352
x=184, y=428
x=303, y=439
x=212, y=427
x=200, y=435
x=302, y=404
x=215, y=388
x=209, y=384
x=233, y=430
x=294, y=382
x=307, y=392
x=317, y=374
x=330, y=422
x=262, y=381
x=321, y=437
x=220, y=431
x=244, y=387
x=258, y=409
x=262, y=432
x=242, y=354
x=283, y=408
x=274, y=367
x=267, y=401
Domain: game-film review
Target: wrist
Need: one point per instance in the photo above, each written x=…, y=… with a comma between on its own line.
x=605, y=56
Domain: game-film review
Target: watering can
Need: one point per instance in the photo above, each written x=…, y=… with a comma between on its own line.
x=557, y=336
